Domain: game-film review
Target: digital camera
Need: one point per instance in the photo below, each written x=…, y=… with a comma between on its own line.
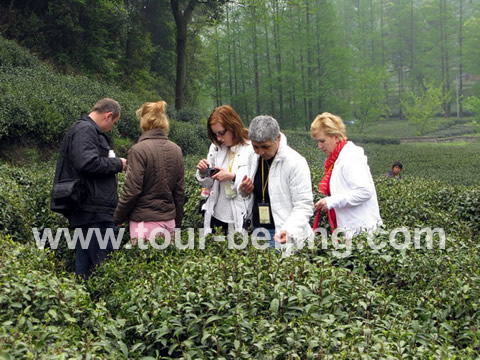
x=212, y=171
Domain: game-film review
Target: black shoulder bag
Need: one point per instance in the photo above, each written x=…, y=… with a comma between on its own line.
x=68, y=193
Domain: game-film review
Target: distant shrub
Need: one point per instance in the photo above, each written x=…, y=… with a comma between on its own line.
x=12, y=55
x=121, y=146
x=38, y=104
x=192, y=138
x=189, y=115
x=381, y=140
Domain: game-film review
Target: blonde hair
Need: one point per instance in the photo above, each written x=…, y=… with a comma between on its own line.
x=332, y=125
x=152, y=115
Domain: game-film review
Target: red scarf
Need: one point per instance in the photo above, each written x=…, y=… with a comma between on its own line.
x=324, y=185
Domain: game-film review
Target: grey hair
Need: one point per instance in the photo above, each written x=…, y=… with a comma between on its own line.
x=263, y=128
x=107, y=105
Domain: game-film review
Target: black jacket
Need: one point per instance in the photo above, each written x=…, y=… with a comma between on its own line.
x=84, y=154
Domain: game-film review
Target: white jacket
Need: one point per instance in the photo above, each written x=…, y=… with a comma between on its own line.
x=354, y=197
x=291, y=198
x=240, y=205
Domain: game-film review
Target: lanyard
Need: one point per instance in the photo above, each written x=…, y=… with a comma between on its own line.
x=233, y=159
x=264, y=182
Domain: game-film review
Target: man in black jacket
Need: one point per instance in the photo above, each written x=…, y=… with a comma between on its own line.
x=85, y=154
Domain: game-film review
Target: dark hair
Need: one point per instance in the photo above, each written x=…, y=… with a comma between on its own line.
x=397, y=163
x=226, y=116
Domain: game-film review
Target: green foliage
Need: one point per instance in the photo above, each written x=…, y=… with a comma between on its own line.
x=46, y=313
x=192, y=138
x=472, y=37
x=15, y=214
x=420, y=108
x=254, y=304
x=44, y=113
x=370, y=102
x=472, y=104
x=25, y=204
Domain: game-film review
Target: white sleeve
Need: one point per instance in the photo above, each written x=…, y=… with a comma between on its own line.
x=300, y=185
x=355, y=178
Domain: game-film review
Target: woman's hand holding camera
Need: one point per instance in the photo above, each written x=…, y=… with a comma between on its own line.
x=216, y=173
x=203, y=165
x=223, y=175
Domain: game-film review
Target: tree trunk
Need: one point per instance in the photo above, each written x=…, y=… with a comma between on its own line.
x=382, y=44
x=230, y=72
x=372, y=32
x=242, y=79
x=218, y=78
x=320, y=69
x=302, y=70
x=293, y=53
x=309, y=63
x=459, y=82
x=269, y=68
x=412, y=42
x=448, y=103
x=278, y=58
x=255, y=62
x=182, y=19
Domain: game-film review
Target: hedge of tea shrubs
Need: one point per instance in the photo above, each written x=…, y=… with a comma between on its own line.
x=220, y=303
x=38, y=105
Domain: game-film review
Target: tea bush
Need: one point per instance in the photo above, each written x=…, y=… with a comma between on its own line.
x=39, y=105
x=15, y=215
x=46, y=314
x=192, y=138
x=220, y=303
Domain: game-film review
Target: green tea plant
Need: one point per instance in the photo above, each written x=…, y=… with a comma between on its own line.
x=45, y=313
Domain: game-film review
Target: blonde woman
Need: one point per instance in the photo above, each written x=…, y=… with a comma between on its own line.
x=153, y=193
x=350, y=198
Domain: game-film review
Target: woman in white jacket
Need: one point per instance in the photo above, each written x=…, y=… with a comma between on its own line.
x=279, y=180
x=351, y=200
x=223, y=169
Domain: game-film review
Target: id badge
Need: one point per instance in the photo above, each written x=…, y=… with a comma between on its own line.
x=264, y=213
x=230, y=192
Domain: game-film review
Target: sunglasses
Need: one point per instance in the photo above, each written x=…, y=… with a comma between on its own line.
x=220, y=133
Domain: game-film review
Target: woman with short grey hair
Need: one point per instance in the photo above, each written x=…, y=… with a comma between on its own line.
x=279, y=179
x=263, y=128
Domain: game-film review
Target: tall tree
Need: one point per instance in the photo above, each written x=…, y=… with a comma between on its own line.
x=183, y=13
x=459, y=78
x=256, y=73
x=182, y=19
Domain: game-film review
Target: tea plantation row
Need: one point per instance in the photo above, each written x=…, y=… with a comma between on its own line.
x=221, y=303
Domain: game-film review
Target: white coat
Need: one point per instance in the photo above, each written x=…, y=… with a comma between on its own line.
x=291, y=198
x=240, y=205
x=353, y=194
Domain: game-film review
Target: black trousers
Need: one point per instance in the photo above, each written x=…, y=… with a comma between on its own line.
x=86, y=259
